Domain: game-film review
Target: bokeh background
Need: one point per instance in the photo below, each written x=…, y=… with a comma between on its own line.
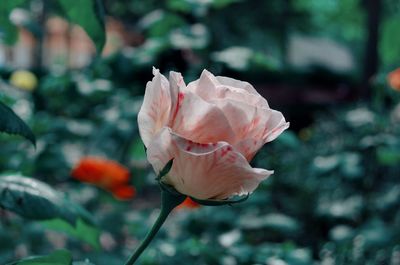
x=335, y=194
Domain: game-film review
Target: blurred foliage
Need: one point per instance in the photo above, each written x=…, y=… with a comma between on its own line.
x=36, y=200
x=333, y=199
x=60, y=257
x=8, y=31
x=89, y=14
x=12, y=124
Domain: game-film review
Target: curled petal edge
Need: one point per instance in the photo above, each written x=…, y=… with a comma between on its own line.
x=187, y=175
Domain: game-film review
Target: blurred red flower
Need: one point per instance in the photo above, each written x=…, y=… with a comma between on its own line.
x=106, y=174
x=188, y=203
x=394, y=79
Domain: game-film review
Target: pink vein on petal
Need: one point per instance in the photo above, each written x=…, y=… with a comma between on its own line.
x=181, y=97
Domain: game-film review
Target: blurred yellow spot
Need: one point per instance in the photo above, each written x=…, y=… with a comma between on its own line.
x=24, y=80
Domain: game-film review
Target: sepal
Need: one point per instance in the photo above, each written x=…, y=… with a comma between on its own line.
x=220, y=202
x=165, y=170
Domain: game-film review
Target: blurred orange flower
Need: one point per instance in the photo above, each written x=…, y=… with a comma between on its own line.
x=188, y=203
x=394, y=79
x=106, y=174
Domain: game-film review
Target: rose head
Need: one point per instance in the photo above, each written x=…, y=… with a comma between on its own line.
x=212, y=128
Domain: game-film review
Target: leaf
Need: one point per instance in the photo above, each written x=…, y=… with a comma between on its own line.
x=138, y=150
x=36, y=200
x=12, y=124
x=159, y=23
x=81, y=231
x=388, y=156
x=223, y=3
x=389, y=47
x=58, y=257
x=166, y=169
x=82, y=263
x=89, y=14
x=274, y=222
x=8, y=31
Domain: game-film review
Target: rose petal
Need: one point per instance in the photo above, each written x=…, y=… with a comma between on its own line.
x=231, y=82
x=204, y=171
x=241, y=116
x=268, y=130
x=177, y=87
x=204, y=86
x=200, y=121
x=237, y=94
x=154, y=113
x=275, y=125
x=209, y=87
x=249, y=147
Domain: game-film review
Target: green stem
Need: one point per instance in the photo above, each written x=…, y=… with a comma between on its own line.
x=168, y=203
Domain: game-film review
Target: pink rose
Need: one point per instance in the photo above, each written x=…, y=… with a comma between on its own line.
x=212, y=128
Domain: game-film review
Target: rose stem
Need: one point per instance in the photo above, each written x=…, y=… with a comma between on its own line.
x=168, y=202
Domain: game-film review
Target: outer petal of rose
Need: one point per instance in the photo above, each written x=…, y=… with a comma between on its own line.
x=273, y=127
x=155, y=110
x=238, y=94
x=204, y=171
x=250, y=121
x=225, y=81
x=207, y=81
x=231, y=82
x=176, y=85
x=249, y=147
x=209, y=87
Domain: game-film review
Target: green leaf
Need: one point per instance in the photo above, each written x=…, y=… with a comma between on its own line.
x=8, y=31
x=89, y=14
x=223, y=3
x=82, y=263
x=388, y=156
x=279, y=223
x=36, y=200
x=389, y=46
x=160, y=23
x=58, y=257
x=138, y=150
x=12, y=124
x=166, y=169
x=81, y=231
